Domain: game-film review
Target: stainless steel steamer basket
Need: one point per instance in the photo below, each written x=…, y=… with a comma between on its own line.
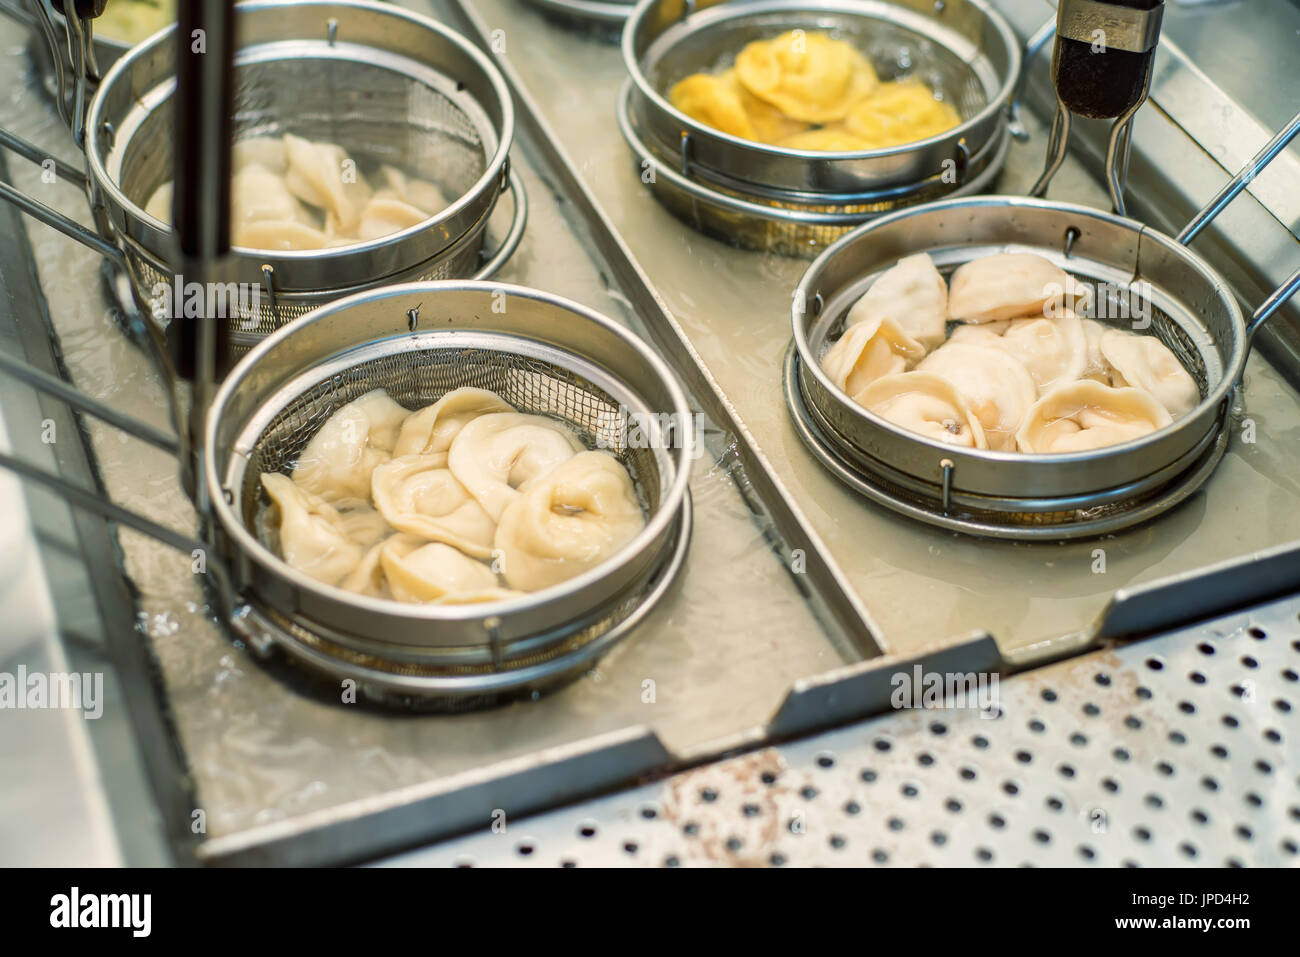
x=388, y=85
x=544, y=355
x=1008, y=494
x=810, y=197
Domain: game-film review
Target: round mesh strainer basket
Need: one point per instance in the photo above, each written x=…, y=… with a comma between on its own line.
x=543, y=355
x=1135, y=272
x=389, y=86
x=798, y=201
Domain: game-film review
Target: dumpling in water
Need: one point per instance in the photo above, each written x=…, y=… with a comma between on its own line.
x=266, y=151
x=258, y=194
x=913, y=294
x=997, y=388
x=385, y=214
x=980, y=334
x=1005, y=286
x=323, y=175
x=312, y=539
x=1088, y=415
x=898, y=113
x=567, y=522
x=1146, y=363
x=715, y=102
x=418, y=192
x=431, y=429
x=927, y=404
x=807, y=76
x=337, y=462
x=827, y=139
x=1053, y=350
x=282, y=234
x=496, y=454
x=417, y=494
x=868, y=350
x=417, y=571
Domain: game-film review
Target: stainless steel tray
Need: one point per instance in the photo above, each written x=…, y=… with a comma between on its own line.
x=793, y=589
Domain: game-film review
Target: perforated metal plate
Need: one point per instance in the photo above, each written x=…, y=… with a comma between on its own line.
x=1175, y=750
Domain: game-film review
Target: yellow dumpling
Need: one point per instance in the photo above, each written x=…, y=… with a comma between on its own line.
x=715, y=102
x=898, y=113
x=807, y=76
x=770, y=124
x=832, y=138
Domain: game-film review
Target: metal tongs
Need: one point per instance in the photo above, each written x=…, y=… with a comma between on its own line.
x=1101, y=69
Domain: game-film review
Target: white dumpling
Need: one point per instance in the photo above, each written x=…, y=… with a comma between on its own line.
x=496, y=454
x=337, y=462
x=323, y=175
x=567, y=522
x=266, y=151
x=1005, y=286
x=998, y=389
x=368, y=577
x=927, y=404
x=385, y=215
x=419, y=495
x=364, y=525
x=417, y=571
x=280, y=234
x=913, y=294
x=418, y=192
x=1146, y=363
x=981, y=333
x=1053, y=350
x=1089, y=415
x=485, y=596
x=257, y=195
x=432, y=428
x=159, y=204
x=311, y=538
x=869, y=350
x=1096, y=367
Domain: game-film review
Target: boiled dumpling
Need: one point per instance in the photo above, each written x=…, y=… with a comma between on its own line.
x=898, y=113
x=418, y=495
x=997, y=388
x=265, y=151
x=1096, y=366
x=311, y=539
x=568, y=521
x=1053, y=350
x=807, y=76
x=337, y=462
x=980, y=334
x=1005, y=286
x=419, y=571
x=1146, y=363
x=385, y=215
x=868, y=350
x=715, y=102
x=159, y=205
x=770, y=124
x=368, y=577
x=323, y=175
x=484, y=596
x=497, y=453
x=1088, y=415
x=258, y=194
x=418, y=192
x=913, y=294
x=927, y=404
x=431, y=429
x=828, y=139
x=276, y=234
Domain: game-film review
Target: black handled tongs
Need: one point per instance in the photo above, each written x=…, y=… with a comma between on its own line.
x=1101, y=69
